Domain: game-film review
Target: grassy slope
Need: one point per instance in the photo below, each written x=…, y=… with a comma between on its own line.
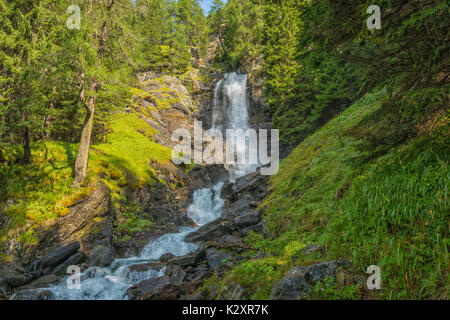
x=391, y=211
x=42, y=191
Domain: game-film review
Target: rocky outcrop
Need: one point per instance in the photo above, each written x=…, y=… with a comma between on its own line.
x=12, y=277
x=299, y=281
x=89, y=224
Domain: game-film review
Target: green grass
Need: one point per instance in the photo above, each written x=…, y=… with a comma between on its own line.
x=41, y=191
x=390, y=210
x=130, y=145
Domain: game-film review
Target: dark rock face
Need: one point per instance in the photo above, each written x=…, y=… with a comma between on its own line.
x=101, y=256
x=75, y=259
x=161, y=204
x=42, y=282
x=299, y=280
x=55, y=258
x=238, y=220
x=12, y=277
x=88, y=224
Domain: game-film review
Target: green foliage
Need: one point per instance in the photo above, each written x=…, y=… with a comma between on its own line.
x=238, y=25
x=391, y=211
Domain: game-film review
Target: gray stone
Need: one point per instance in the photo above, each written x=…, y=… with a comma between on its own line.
x=216, y=257
x=297, y=284
x=75, y=259
x=13, y=277
x=101, y=256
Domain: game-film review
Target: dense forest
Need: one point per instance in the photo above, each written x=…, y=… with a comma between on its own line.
x=363, y=112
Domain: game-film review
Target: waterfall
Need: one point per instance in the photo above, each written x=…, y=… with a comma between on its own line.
x=230, y=111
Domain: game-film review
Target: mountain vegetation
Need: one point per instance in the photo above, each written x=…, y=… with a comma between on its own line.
x=364, y=111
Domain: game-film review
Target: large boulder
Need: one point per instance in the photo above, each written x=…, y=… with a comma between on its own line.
x=298, y=282
x=54, y=258
x=101, y=256
x=76, y=259
x=12, y=277
x=158, y=288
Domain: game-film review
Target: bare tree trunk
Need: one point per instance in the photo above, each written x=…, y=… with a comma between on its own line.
x=26, y=158
x=82, y=161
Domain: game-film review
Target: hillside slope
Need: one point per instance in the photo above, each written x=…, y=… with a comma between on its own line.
x=334, y=198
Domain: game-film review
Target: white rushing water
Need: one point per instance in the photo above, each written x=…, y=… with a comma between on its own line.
x=111, y=283
x=231, y=112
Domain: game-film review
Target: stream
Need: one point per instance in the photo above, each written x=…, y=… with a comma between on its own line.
x=111, y=283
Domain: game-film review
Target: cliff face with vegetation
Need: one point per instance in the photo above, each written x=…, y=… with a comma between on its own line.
x=363, y=119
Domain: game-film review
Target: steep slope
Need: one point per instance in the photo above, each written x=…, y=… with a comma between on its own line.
x=334, y=198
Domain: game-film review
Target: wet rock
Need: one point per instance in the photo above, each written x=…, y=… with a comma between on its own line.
x=55, y=258
x=101, y=256
x=183, y=261
x=229, y=241
x=134, y=246
x=33, y=294
x=162, y=207
x=211, y=231
x=146, y=289
x=198, y=272
x=166, y=257
x=253, y=186
x=75, y=259
x=240, y=207
x=42, y=282
x=146, y=266
x=298, y=282
x=227, y=191
x=175, y=273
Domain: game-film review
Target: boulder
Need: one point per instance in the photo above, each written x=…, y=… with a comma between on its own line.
x=101, y=256
x=42, y=282
x=297, y=284
x=216, y=258
x=183, y=261
x=248, y=219
x=75, y=259
x=211, y=231
x=166, y=257
x=55, y=258
x=13, y=277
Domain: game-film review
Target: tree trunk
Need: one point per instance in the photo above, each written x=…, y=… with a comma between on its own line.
x=26, y=158
x=81, y=163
